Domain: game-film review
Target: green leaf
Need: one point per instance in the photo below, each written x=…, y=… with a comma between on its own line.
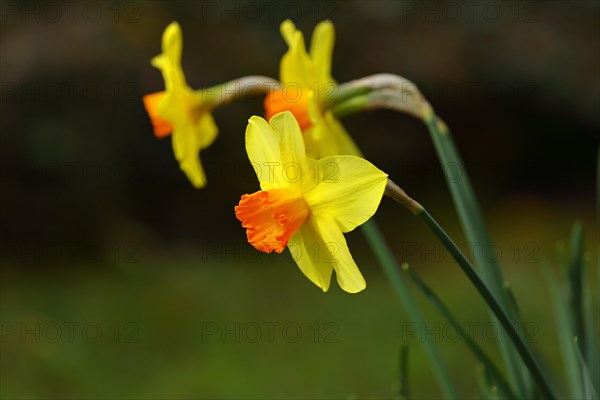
x=592, y=335
x=575, y=273
x=588, y=385
x=471, y=219
x=592, y=306
x=564, y=330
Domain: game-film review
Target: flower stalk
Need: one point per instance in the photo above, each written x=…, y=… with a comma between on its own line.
x=399, y=94
x=252, y=85
x=492, y=302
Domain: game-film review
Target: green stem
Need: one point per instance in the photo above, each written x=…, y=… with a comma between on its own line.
x=398, y=194
x=345, y=93
x=491, y=301
x=465, y=201
x=349, y=106
x=225, y=93
x=394, y=274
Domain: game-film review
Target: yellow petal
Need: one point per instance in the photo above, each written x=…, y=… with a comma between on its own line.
x=296, y=67
x=327, y=136
x=182, y=129
x=323, y=248
x=309, y=252
x=262, y=146
x=186, y=146
x=349, y=189
x=169, y=62
x=188, y=139
x=321, y=50
x=207, y=131
x=288, y=30
x=276, y=151
x=290, y=137
x=193, y=170
x=172, y=42
x=174, y=106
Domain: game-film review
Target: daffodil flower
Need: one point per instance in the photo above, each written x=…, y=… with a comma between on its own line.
x=306, y=85
x=180, y=110
x=305, y=204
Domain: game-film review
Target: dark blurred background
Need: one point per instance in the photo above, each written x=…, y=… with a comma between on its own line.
x=100, y=225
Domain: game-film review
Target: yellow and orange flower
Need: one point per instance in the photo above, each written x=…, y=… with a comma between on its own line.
x=306, y=86
x=305, y=204
x=180, y=110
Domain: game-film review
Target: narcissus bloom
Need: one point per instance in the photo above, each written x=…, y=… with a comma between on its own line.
x=180, y=110
x=305, y=204
x=306, y=86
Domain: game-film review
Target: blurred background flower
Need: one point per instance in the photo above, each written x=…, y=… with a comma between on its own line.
x=99, y=225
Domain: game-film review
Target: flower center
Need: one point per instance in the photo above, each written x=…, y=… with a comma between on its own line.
x=271, y=217
x=293, y=99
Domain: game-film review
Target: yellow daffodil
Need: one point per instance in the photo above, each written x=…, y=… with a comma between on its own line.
x=180, y=110
x=306, y=84
x=305, y=204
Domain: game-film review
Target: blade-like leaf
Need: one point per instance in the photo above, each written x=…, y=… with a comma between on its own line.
x=471, y=219
x=564, y=331
x=592, y=335
x=575, y=273
x=588, y=386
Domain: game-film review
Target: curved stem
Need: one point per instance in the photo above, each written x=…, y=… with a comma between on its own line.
x=236, y=89
x=389, y=91
x=511, y=329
